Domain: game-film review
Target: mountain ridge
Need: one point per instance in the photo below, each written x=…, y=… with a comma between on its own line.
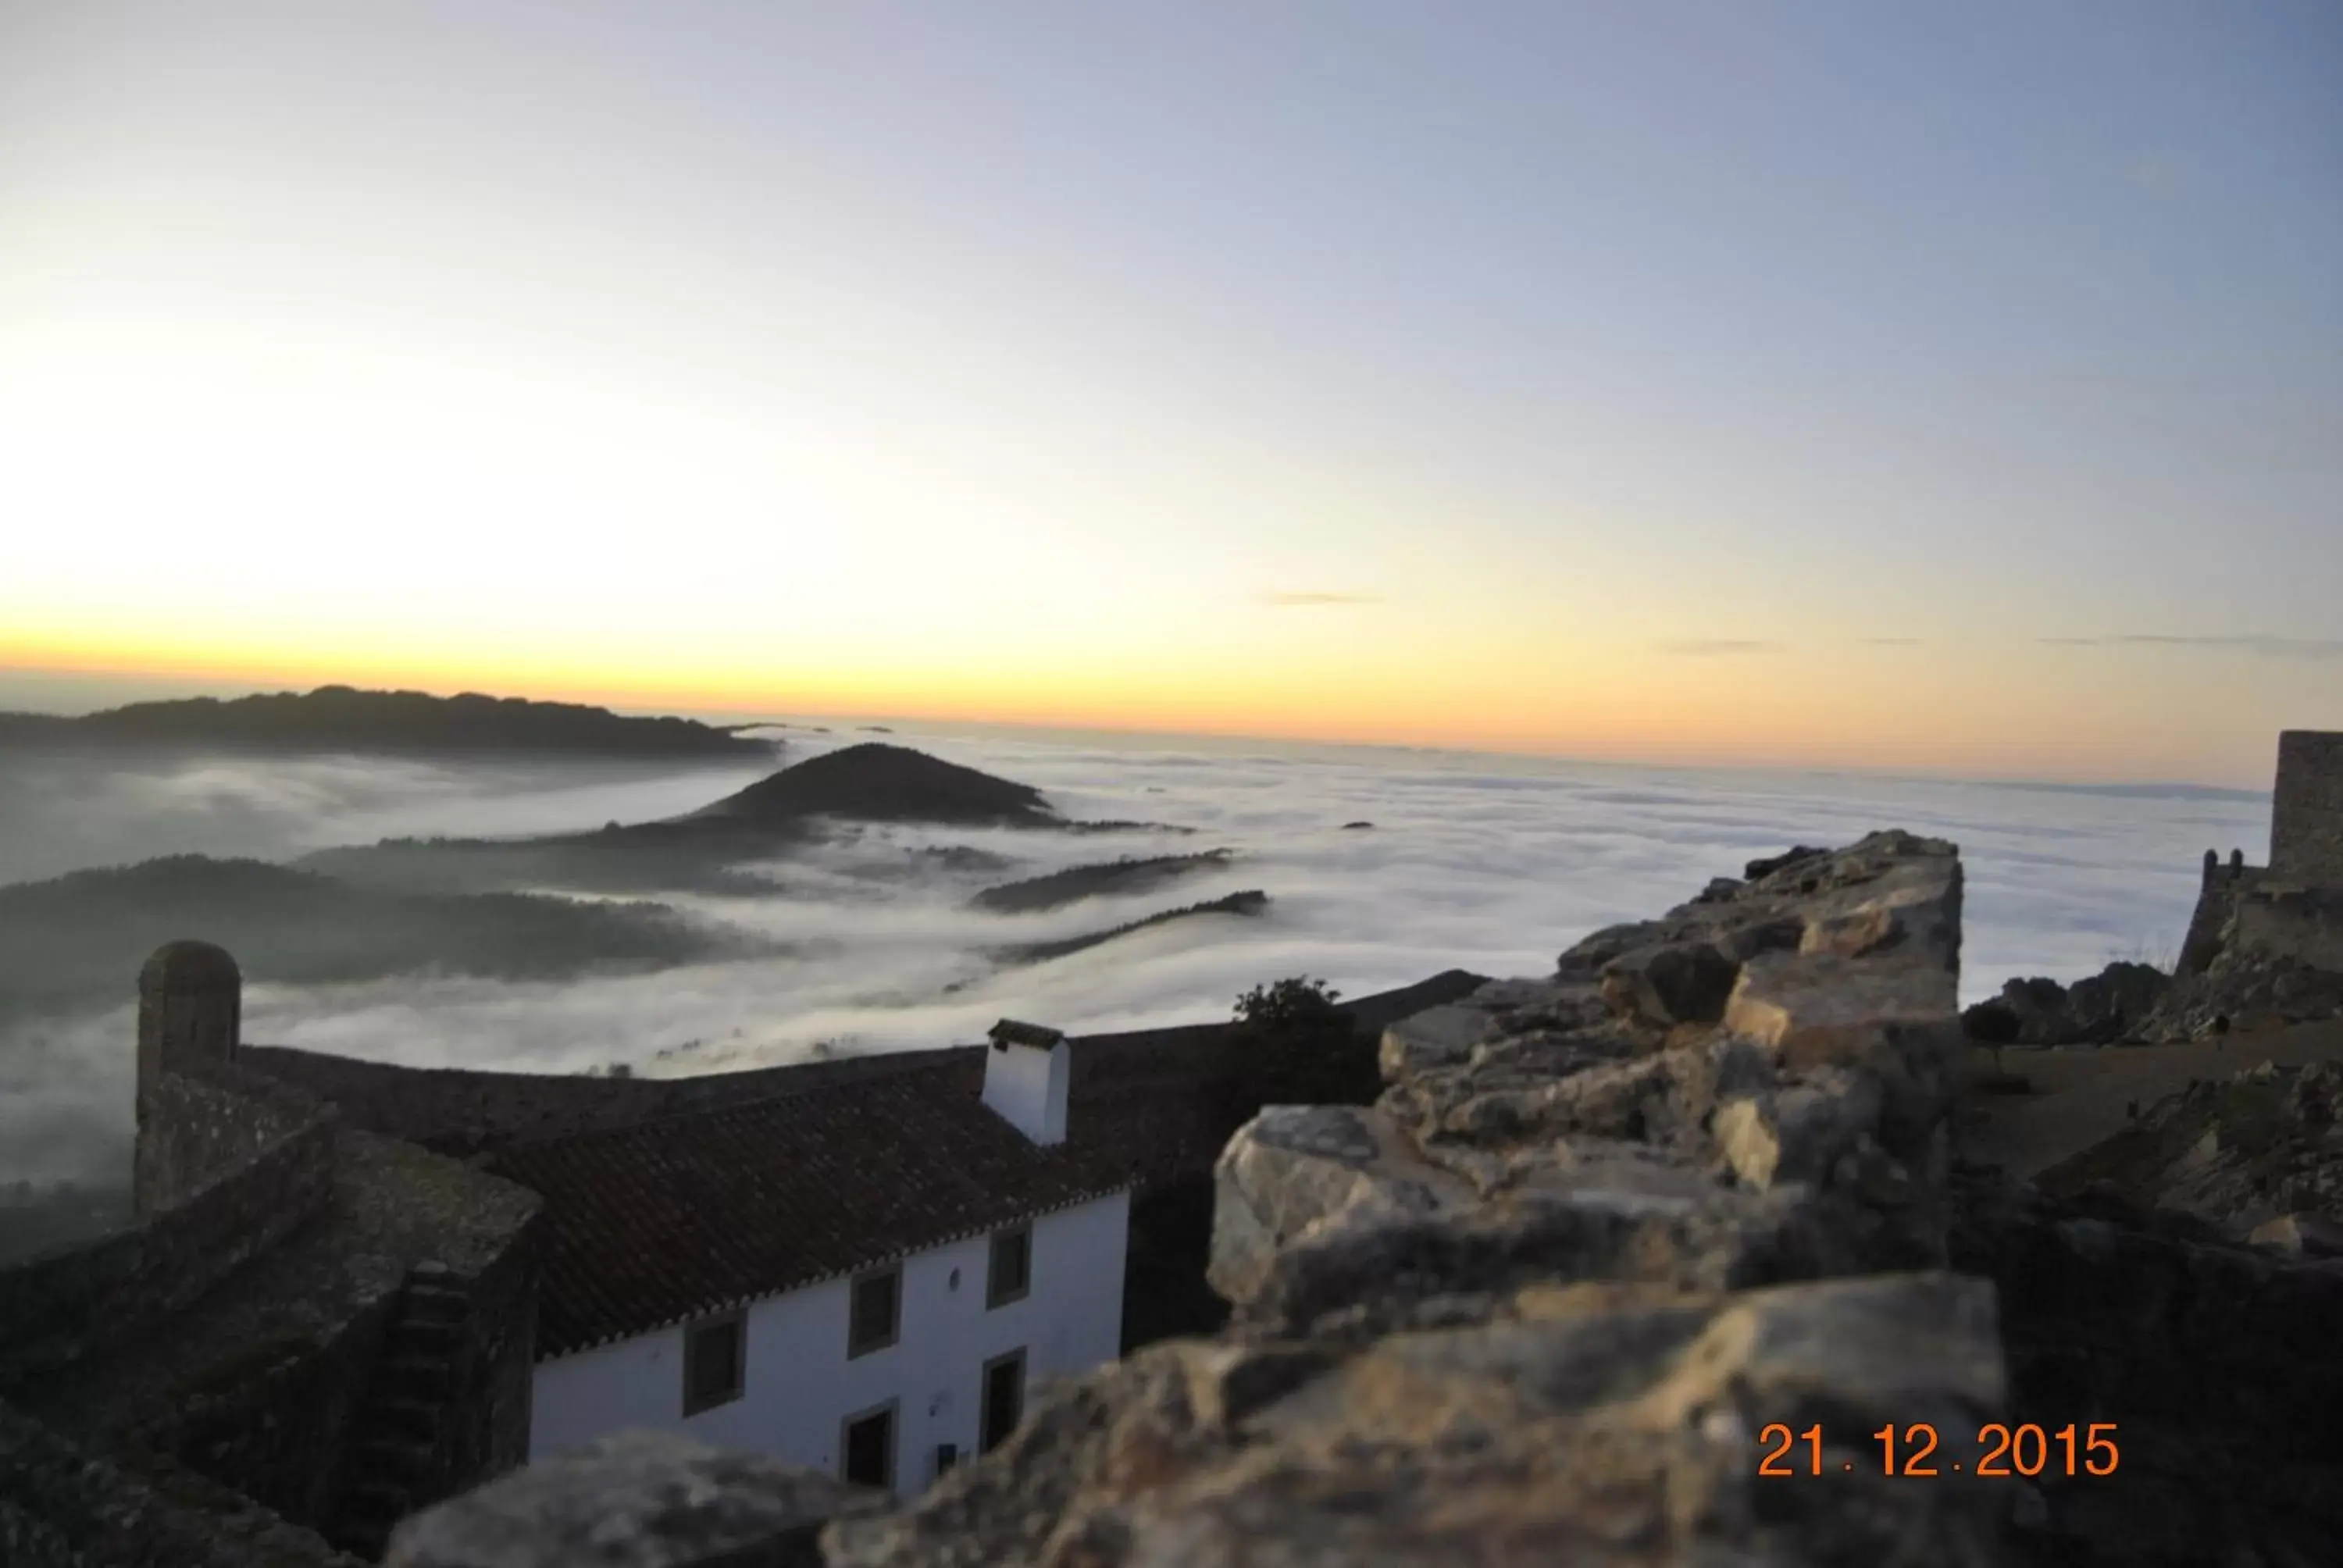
x=348, y=718
x=878, y=782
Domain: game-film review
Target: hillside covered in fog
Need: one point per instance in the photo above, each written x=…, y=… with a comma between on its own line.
x=539, y=907
x=714, y=912
x=820, y=799
x=77, y=942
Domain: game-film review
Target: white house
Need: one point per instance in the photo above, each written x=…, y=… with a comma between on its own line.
x=864, y=1277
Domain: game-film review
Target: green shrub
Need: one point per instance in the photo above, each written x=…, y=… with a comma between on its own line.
x=1292, y=1045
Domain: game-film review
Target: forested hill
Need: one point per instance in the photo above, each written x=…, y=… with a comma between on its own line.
x=77, y=942
x=343, y=719
x=874, y=781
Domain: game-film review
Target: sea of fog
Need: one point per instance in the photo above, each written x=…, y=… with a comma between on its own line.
x=1475, y=861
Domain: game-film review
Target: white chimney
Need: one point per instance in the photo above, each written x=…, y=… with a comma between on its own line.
x=1025, y=1077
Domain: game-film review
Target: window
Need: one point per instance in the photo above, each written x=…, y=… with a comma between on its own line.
x=1012, y=1267
x=1004, y=1397
x=876, y=1313
x=714, y=1360
x=947, y=1455
x=866, y=1447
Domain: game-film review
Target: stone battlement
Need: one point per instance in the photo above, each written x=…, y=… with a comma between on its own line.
x=228, y=1163
x=2217, y=902
x=60, y=1307
x=2265, y=943
x=193, y=1387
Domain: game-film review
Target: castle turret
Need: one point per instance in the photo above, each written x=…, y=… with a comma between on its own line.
x=2216, y=899
x=2307, y=809
x=190, y=1003
x=190, y=1011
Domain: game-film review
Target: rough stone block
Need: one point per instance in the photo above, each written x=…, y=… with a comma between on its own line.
x=1296, y=1170
x=1521, y=1312
x=1851, y=934
x=1615, y=1426
x=1669, y=983
x=1816, y=1009
x=1609, y=1100
x=1436, y=1038
x=1369, y=1277
x=1227, y=1384
x=1796, y=1132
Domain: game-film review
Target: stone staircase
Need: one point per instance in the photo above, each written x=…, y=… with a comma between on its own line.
x=398, y=1459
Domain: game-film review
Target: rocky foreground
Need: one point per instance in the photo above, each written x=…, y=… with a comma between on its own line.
x=2257, y=1155
x=2246, y=990
x=1609, y=1240
x=1544, y=1300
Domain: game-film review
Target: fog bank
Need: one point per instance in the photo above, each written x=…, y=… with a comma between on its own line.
x=1487, y=863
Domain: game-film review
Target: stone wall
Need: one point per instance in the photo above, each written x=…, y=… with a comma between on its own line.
x=65, y=1506
x=488, y=1428
x=57, y=1307
x=2276, y=957
x=2219, y=1367
x=1610, y=1238
x=1544, y=1299
x=2264, y=945
x=2303, y=924
x=2307, y=811
x=204, y=1120
x=273, y=1423
x=271, y=1385
x=238, y=1333
x=2217, y=904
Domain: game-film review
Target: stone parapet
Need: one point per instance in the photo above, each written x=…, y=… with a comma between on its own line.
x=202, y=1120
x=248, y=1160
x=1544, y=1300
x=2263, y=951
x=1609, y=1240
x=270, y=1383
x=2301, y=923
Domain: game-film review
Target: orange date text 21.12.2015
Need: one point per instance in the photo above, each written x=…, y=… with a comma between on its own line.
x=2025, y=1449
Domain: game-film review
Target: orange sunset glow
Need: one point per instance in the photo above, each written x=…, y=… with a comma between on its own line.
x=753, y=420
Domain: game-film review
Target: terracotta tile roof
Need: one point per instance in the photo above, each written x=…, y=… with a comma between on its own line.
x=466, y=1112
x=686, y=1214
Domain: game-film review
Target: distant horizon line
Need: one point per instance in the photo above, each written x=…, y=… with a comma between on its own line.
x=1887, y=774
x=228, y=687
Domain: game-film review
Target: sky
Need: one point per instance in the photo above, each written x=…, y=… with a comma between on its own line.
x=1943, y=387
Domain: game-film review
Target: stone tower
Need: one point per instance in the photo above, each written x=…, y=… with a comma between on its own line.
x=190, y=1011
x=2306, y=810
